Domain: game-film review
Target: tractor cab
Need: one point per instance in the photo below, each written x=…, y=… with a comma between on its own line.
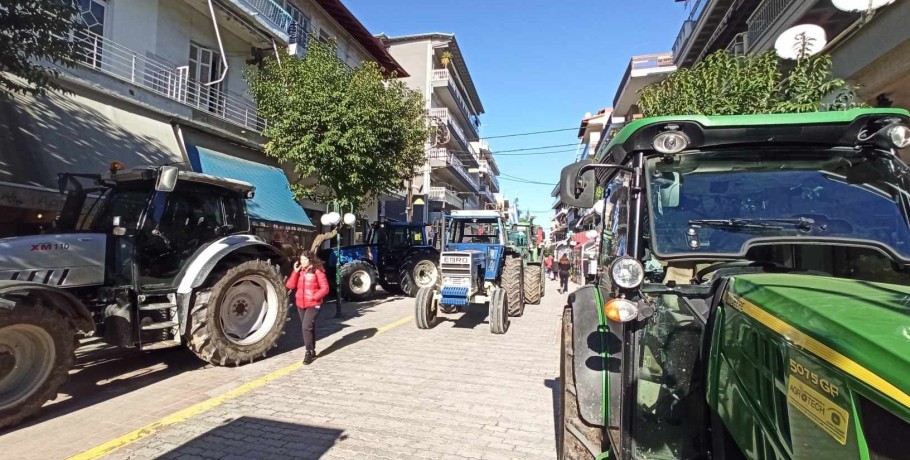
x=749, y=266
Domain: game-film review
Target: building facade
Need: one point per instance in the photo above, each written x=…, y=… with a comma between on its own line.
x=868, y=47
x=161, y=82
x=460, y=170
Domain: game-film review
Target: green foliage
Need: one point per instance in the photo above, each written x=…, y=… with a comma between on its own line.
x=33, y=30
x=357, y=132
x=727, y=84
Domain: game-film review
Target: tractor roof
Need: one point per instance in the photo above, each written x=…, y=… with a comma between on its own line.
x=837, y=128
x=483, y=213
x=151, y=173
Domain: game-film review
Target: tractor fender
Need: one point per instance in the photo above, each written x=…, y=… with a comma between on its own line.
x=595, y=350
x=59, y=299
x=201, y=264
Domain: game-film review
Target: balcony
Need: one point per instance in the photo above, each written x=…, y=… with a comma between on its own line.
x=466, y=155
x=449, y=197
x=160, y=77
x=267, y=12
x=443, y=79
x=688, y=27
x=444, y=158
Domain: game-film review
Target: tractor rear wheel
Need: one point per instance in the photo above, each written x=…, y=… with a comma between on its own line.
x=358, y=281
x=37, y=347
x=499, y=315
x=418, y=270
x=240, y=317
x=576, y=440
x=511, y=282
x=532, y=280
x=426, y=308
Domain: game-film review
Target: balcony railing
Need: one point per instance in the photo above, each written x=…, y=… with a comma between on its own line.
x=764, y=17
x=451, y=160
x=157, y=75
x=441, y=77
x=273, y=12
x=688, y=27
x=443, y=115
x=445, y=195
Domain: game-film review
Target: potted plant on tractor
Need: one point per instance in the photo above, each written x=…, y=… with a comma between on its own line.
x=752, y=296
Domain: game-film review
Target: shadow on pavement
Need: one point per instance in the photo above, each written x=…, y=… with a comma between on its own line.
x=250, y=437
x=349, y=339
x=553, y=385
x=470, y=319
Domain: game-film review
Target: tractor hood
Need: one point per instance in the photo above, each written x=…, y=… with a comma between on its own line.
x=64, y=260
x=860, y=327
x=493, y=255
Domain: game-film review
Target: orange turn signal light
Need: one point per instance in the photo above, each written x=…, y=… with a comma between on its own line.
x=620, y=310
x=116, y=166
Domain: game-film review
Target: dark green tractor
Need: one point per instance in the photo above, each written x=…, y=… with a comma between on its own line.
x=522, y=238
x=754, y=291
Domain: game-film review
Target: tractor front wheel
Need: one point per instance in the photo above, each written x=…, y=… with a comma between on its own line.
x=418, y=270
x=499, y=315
x=425, y=308
x=532, y=280
x=37, y=347
x=358, y=281
x=576, y=440
x=511, y=282
x=240, y=317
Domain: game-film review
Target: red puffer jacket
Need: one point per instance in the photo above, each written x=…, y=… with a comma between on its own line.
x=311, y=287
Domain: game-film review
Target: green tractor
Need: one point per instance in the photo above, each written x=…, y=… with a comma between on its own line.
x=753, y=299
x=522, y=238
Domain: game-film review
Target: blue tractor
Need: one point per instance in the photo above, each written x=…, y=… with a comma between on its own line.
x=477, y=266
x=397, y=257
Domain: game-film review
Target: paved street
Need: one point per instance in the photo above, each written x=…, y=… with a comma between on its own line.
x=380, y=389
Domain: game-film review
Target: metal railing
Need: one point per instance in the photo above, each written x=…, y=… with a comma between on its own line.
x=273, y=12
x=652, y=61
x=764, y=17
x=448, y=196
x=689, y=26
x=456, y=164
x=442, y=77
x=443, y=115
x=159, y=76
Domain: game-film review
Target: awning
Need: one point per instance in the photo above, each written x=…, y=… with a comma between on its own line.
x=273, y=202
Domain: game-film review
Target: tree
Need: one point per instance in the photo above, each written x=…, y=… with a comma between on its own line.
x=32, y=32
x=358, y=132
x=727, y=84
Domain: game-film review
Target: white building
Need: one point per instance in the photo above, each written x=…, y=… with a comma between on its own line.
x=461, y=169
x=154, y=85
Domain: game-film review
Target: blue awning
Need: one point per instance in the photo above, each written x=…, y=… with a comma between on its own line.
x=273, y=201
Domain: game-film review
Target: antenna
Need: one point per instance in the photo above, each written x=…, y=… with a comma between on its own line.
x=800, y=41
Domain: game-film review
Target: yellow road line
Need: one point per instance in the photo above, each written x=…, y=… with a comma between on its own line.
x=196, y=409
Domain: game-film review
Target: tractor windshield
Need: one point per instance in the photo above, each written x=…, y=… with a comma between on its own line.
x=127, y=202
x=477, y=230
x=720, y=202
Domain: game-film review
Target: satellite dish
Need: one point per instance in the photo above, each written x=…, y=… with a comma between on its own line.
x=800, y=41
x=860, y=6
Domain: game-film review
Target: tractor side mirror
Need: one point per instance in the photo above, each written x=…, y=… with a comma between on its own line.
x=167, y=179
x=576, y=187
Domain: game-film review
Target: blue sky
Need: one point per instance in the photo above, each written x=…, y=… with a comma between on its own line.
x=537, y=65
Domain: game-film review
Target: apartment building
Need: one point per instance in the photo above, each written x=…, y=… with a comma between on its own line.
x=161, y=82
x=868, y=47
x=460, y=170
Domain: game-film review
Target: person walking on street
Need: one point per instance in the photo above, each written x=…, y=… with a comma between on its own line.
x=563, y=274
x=309, y=280
x=549, y=264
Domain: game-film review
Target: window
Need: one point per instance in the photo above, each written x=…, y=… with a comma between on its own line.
x=301, y=20
x=205, y=67
x=91, y=15
x=235, y=215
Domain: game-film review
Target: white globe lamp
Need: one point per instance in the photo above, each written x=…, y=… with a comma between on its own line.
x=349, y=218
x=333, y=218
x=324, y=219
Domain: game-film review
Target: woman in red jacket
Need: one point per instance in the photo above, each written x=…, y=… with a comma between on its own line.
x=309, y=280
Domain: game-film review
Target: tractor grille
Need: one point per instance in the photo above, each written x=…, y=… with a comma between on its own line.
x=454, y=296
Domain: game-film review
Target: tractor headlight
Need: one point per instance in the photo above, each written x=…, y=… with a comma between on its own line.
x=620, y=310
x=898, y=135
x=670, y=142
x=627, y=273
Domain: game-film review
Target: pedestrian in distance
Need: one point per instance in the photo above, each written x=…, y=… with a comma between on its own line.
x=563, y=274
x=548, y=262
x=308, y=279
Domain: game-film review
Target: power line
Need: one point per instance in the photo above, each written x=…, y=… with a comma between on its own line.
x=538, y=148
x=530, y=133
x=526, y=181
x=551, y=152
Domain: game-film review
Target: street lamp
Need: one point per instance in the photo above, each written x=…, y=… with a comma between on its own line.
x=334, y=219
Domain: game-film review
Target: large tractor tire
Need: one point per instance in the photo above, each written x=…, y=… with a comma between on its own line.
x=358, y=281
x=576, y=440
x=499, y=315
x=426, y=309
x=532, y=284
x=240, y=316
x=418, y=270
x=391, y=288
x=37, y=346
x=511, y=282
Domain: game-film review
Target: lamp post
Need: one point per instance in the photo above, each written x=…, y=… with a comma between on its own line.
x=334, y=219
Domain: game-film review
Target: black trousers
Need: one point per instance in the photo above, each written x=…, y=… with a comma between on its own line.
x=308, y=322
x=564, y=280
